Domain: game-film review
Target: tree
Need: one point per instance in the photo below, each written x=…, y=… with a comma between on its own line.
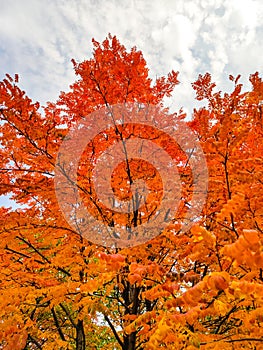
x=183, y=288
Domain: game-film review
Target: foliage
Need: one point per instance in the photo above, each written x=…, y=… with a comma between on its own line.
x=181, y=290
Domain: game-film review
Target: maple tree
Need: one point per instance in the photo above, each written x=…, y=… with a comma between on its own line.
x=183, y=289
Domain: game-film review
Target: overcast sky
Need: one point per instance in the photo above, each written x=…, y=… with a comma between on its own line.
x=38, y=39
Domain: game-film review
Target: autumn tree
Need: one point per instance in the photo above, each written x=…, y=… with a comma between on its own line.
x=195, y=284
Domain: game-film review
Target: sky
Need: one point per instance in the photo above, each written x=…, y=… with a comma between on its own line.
x=39, y=38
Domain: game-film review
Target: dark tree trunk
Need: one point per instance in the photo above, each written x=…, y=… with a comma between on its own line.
x=131, y=297
x=129, y=342
x=80, y=336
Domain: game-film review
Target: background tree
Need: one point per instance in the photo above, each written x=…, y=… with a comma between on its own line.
x=180, y=290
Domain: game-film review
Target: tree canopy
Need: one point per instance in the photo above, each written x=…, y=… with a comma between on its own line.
x=198, y=286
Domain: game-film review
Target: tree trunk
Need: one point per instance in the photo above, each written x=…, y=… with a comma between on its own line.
x=80, y=337
x=131, y=298
x=129, y=342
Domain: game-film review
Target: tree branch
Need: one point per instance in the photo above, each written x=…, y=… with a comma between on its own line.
x=57, y=324
x=116, y=335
